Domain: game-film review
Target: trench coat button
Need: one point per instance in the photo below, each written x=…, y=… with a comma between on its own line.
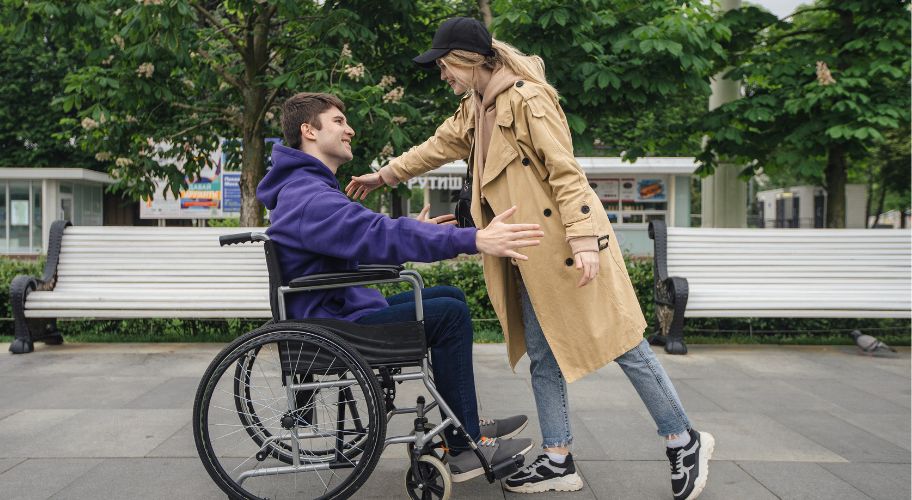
x=585, y=209
x=526, y=161
x=547, y=212
x=519, y=83
x=569, y=262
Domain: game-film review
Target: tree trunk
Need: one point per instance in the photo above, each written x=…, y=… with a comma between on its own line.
x=485, y=7
x=253, y=149
x=253, y=166
x=882, y=196
x=835, y=186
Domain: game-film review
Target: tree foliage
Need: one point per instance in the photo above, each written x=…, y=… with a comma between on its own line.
x=633, y=74
x=33, y=64
x=170, y=78
x=822, y=89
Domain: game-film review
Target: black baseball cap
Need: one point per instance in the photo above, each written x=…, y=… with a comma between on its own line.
x=463, y=33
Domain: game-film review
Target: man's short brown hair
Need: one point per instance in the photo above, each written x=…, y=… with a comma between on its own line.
x=305, y=107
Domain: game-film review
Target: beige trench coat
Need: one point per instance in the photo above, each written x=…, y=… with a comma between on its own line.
x=530, y=164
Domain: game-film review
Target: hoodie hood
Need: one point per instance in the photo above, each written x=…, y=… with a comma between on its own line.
x=288, y=166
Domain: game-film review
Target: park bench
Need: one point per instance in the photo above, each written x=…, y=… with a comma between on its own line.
x=778, y=273
x=115, y=272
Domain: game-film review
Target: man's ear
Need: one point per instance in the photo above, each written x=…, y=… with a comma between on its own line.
x=307, y=132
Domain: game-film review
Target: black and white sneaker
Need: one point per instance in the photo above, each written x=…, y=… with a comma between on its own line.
x=690, y=465
x=545, y=475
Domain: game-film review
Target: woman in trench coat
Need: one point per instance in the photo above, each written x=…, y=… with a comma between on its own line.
x=571, y=305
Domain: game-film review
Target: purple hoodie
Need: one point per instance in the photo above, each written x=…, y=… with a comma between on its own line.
x=317, y=229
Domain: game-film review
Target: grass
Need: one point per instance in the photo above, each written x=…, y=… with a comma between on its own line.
x=486, y=332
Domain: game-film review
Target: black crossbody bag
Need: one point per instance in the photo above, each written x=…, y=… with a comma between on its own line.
x=463, y=210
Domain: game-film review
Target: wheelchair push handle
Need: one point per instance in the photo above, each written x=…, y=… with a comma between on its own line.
x=232, y=239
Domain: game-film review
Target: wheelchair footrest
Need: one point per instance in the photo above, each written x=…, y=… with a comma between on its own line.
x=507, y=467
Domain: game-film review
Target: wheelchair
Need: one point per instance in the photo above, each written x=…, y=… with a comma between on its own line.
x=300, y=408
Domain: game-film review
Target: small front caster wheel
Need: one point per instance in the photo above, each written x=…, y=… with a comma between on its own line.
x=430, y=482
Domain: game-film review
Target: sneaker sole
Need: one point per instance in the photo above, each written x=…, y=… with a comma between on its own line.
x=459, y=477
x=708, y=442
x=567, y=483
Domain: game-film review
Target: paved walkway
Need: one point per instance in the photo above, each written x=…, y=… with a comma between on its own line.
x=95, y=421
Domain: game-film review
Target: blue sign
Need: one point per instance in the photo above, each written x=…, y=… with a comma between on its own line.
x=231, y=192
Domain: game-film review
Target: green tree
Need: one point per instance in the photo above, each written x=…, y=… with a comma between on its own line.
x=169, y=78
x=33, y=64
x=632, y=74
x=822, y=89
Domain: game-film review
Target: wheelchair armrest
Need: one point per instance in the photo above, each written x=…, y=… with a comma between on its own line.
x=344, y=278
x=386, y=267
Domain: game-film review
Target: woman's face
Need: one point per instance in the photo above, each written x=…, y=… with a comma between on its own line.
x=459, y=78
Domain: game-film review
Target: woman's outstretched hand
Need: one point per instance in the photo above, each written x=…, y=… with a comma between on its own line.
x=361, y=185
x=501, y=239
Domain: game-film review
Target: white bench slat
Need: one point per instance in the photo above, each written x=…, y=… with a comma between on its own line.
x=796, y=313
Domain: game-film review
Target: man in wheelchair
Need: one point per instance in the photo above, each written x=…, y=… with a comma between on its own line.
x=317, y=229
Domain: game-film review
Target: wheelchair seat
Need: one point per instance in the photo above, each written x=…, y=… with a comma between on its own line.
x=390, y=345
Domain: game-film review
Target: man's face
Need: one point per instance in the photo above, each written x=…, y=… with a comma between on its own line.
x=333, y=139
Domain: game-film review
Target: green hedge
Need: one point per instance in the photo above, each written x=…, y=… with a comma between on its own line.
x=467, y=275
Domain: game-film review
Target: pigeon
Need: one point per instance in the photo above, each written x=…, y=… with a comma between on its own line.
x=869, y=344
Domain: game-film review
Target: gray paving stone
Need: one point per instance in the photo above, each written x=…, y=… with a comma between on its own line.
x=8, y=463
x=623, y=434
x=617, y=480
x=892, y=428
x=145, y=478
x=798, y=364
x=847, y=397
x=88, y=433
x=758, y=396
x=806, y=481
x=810, y=422
x=879, y=481
x=178, y=445
x=172, y=393
x=90, y=392
x=38, y=479
x=749, y=436
x=844, y=439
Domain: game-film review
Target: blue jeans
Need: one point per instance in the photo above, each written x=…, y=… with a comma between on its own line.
x=448, y=328
x=550, y=389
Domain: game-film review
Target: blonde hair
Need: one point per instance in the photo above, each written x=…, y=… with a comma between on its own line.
x=528, y=67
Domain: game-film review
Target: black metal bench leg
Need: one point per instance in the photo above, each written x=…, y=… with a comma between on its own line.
x=19, y=289
x=28, y=331
x=671, y=300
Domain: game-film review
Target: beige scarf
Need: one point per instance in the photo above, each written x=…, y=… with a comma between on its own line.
x=486, y=113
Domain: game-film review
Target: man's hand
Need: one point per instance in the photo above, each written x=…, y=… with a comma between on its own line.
x=588, y=262
x=361, y=185
x=501, y=239
x=440, y=219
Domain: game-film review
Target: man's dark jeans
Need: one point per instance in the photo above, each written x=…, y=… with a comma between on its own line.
x=448, y=327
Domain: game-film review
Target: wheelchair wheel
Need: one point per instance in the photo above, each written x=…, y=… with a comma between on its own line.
x=431, y=481
x=261, y=433
x=258, y=437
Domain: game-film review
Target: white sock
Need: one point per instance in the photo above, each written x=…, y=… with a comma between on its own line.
x=556, y=457
x=682, y=440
